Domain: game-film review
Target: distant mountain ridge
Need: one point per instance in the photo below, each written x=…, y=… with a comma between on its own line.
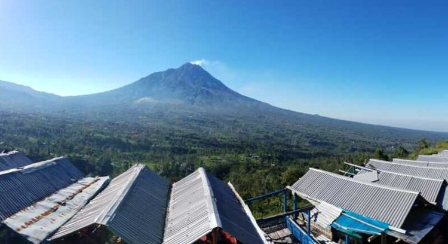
x=189, y=98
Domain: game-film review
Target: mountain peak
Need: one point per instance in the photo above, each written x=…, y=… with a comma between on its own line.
x=193, y=69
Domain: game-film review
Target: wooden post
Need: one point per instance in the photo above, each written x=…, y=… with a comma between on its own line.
x=308, y=222
x=285, y=201
x=215, y=234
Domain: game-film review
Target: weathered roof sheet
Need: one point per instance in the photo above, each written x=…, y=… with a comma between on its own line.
x=199, y=203
x=426, y=172
x=13, y=159
x=379, y=202
x=420, y=163
x=430, y=189
x=433, y=158
x=41, y=219
x=324, y=214
x=22, y=187
x=133, y=206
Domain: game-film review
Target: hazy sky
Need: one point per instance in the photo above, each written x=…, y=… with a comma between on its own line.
x=375, y=61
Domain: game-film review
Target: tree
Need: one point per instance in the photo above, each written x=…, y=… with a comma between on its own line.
x=400, y=152
x=379, y=154
x=422, y=144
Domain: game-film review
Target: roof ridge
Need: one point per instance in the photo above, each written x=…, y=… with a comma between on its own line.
x=9, y=153
x=105, y=216
x=419, y=161
x=31, y=166
x=365, y=183
x=215, y=220
x=414, y=166
x=396, y=173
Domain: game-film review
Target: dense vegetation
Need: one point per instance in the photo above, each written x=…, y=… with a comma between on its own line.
x=254, y=163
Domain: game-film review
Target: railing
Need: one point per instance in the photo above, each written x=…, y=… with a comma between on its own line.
x=302, y=236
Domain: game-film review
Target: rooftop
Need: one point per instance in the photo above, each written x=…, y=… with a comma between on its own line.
x=22, y=187
x=387, y=204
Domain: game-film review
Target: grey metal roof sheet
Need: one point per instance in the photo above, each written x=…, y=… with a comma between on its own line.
x=200, y=203
x=36, y=222
x=420, y=163
x=21, y=187
x=433, y=158
x=133, y=206
x=13, y=159
x=376, y=201
x=443, y=153
x=426, y=172
x=430, y=189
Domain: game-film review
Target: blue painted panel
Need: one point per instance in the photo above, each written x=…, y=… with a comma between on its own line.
x=299, y=233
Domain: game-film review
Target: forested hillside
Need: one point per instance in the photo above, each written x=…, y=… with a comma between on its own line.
x=255, y=165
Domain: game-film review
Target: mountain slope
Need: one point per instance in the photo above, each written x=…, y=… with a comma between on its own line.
x=15, y=97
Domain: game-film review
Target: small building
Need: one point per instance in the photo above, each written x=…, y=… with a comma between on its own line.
x=363, y=211
x=433, y=190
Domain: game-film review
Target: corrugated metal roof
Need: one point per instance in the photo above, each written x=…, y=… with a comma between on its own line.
x=324, y=214
x=13, y=159
x=20, y=188
x=420, y=163
x=376, y=201
x=443, y=153
x=200, y=203
x=38, y=221
x=430, y=189
x=133, y=206
x=426, y=172
x=433, y=158
x=367, y=176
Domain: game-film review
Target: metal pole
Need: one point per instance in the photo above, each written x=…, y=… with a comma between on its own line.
x=308, y=222
x=294, y=205
x=383, y=238
x=347, y=239
x=285, y=201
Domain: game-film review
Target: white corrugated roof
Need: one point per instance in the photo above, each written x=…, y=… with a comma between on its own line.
x=200, y=203
x=420, y=163
x=387, y=204
x=430, y=189
x=426, y=172
x=433, y=158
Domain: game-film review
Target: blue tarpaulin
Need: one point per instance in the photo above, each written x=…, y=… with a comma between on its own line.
x=353, y=222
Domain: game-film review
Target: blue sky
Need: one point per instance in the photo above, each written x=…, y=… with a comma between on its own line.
x=381, y=62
